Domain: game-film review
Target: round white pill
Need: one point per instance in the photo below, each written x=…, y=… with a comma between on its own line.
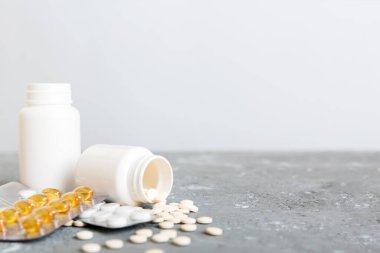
x=109, y=207
x=88, y=213
x=90, y=247
x=145, y=232
x=141, y=215
x=169, y=232
x=117, y=221
x=154, y=251
x=124, y=210
x=204, y=220
x=137, y=238
x=181, y=241
x=214, y=231
x=84, y=235
x=166, y=224
x=160, y=238
x=188, y=227
x=188, y=220
x=100, y=216
x=114, y=244
x=79, y=224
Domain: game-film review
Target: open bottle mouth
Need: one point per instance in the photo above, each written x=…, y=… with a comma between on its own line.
x=156, y=179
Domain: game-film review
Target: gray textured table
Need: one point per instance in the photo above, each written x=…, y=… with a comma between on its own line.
x=265, y=202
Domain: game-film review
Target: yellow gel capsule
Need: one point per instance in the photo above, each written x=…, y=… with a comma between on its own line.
x=24, y=206
x=2, y=227
x=73, y=198
x=9, y=215
x=85, y=192
x=39, y=199
x=45, y=214
x=30, y=224
x=60, y=206
x=52, y=193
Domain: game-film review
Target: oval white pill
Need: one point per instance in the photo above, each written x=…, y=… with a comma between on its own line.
x=137, y=238
x=145, y=232
x=188, y=227
x=160, y=238
x=78, y=223
x=109, y=207
x=90, y=247
x=181, y=241
x=193, y=209
x=69, y=223
x=204, y=220
x=141, y=215
x=166, y=224
x=158, y=220
x=117, y=221
x=188, y=220
x=169, y=232
x=88, y=213
x=114, y=244
x=154, y=251
x=214, y=231
x=84, y=235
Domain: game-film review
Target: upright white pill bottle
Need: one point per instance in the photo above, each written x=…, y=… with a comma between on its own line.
x=49, y=137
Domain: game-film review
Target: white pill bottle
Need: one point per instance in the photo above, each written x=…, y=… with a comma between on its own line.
x=49, y=137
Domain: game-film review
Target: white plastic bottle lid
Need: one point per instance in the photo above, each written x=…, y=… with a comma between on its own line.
x=124, y=173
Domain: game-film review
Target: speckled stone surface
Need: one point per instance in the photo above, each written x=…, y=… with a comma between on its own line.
x=265, y=202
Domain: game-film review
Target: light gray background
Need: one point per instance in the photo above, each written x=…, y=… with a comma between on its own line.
x=201, y=74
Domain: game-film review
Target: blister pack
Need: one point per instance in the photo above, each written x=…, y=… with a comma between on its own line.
x=27, y=215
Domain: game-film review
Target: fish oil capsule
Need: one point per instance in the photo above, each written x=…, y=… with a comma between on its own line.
x=85, y=192
x=24, y=206
x=52, y=193
x=39, y=199
x=10, y=215
x=60, y=206
x=31, y=224
x=45, y=214
x=73, y=198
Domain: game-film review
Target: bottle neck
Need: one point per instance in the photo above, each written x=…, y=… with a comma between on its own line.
x=151, y=179
x=48, y=94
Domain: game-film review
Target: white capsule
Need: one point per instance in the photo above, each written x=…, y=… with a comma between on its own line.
x=160, y=238
x=188, y=220
x=169, y=232
x=145, y=232
x=204, y=220
x=109, y=207
x=181, y=241
x=166, y=224
x=84, y=235
x=79, y=224
x=214, y=231
x=137, y=239
x=90, y=247
x=188, y=227
x=117, y=221
x=114, y=244
x=154, y=251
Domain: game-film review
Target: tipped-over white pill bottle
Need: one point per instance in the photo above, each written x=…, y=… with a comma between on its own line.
x=126, y=174
x=49, y=137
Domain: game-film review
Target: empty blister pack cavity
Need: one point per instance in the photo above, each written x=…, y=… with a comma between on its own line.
x=27, y=215
x=112, y=215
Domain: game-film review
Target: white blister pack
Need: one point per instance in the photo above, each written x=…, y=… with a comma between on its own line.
x=113, y=215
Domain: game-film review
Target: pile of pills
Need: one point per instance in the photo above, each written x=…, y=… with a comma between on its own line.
x=38, y=214
x=166, y=217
